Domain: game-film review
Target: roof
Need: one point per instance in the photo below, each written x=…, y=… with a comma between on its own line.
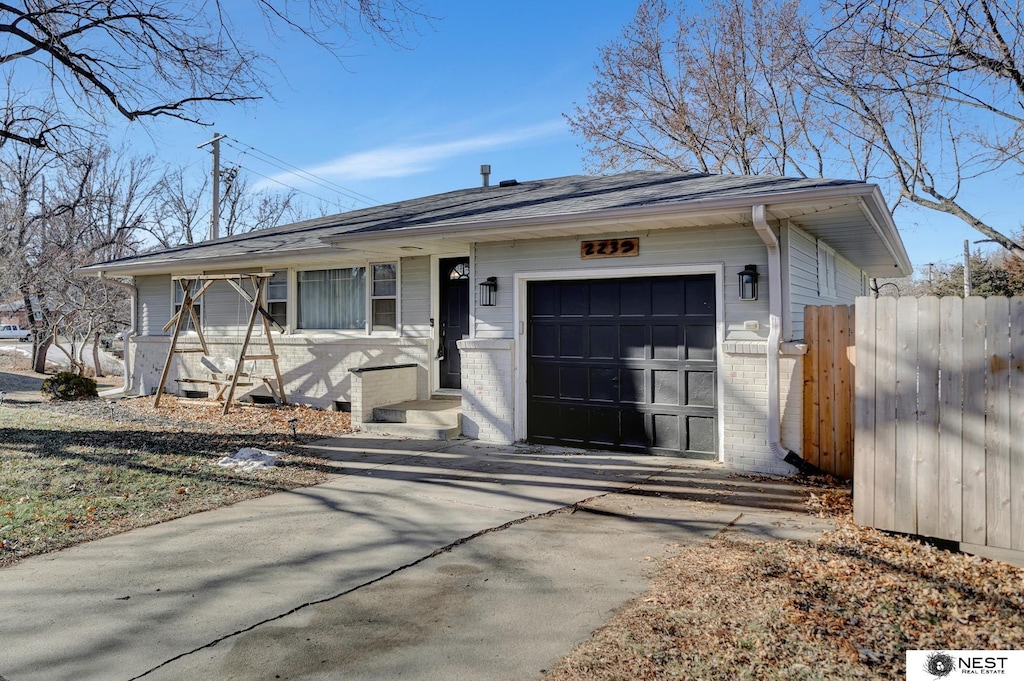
x=531, y=209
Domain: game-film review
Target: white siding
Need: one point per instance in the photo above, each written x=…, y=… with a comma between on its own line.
x=803, y=279
x=735, y=246
x=154, y=304
x=415, y=273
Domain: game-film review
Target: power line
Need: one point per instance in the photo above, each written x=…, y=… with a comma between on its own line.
x=288, y=186
x=323, y=183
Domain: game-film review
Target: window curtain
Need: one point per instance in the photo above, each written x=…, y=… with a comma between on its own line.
x=332, y=299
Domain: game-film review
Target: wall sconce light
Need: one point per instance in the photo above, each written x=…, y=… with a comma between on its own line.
x=748, y=283
x=488, y=292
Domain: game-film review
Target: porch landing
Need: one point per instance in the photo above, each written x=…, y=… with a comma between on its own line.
x=439, y=418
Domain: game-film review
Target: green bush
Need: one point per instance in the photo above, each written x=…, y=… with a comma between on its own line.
x=67, y=385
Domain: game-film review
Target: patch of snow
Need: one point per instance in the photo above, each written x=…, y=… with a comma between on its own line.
x=250, y=459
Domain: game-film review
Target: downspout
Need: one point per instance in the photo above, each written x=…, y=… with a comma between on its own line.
x=771, y=242
x=126, y=361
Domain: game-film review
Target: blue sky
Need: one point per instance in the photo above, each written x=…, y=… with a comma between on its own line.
x=486, y=83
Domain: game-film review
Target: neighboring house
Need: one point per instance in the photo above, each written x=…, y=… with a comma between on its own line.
x=598, y=312
x=13, y=312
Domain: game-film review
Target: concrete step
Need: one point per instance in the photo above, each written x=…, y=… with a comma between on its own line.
x=443, y=413
x=412, y=431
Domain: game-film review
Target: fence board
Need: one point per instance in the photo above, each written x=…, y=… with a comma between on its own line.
x=826, y=389
x=906, y=415
x=845, y=329
x=975, y=371
x=950, y=449
x=864, y=438
x=927, y=416
x=997, y=423
x=885, y=414
x=810, y=401
x=1017, y=423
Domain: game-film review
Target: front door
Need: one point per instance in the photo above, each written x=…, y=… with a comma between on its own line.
x=454, y=306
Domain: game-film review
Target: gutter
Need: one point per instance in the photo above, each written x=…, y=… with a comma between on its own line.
x=774, y=334
x=132, y=330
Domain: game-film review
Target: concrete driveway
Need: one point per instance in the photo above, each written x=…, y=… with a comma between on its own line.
x=417, y=560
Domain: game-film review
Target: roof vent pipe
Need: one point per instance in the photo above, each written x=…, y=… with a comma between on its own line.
x=485, y=175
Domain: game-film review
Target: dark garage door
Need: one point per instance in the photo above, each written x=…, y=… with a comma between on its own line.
x=624, y=364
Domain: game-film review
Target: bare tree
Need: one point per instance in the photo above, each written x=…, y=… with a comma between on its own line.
x=69, y=64
x=715, y=92
x=935, y=88
x=183, y=207
x=93, y=207
x=925, y=96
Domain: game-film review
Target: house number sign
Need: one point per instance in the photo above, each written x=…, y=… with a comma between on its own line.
x=610, y=248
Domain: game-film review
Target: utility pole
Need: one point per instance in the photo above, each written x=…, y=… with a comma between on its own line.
x=215, y=212
x=968, y=285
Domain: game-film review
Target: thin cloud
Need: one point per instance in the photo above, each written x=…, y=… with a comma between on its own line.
x=402, y=160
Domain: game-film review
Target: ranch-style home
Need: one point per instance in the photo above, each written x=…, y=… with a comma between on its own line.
x=644, y=312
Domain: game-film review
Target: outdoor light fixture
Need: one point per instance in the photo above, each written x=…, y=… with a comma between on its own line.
x=489, y=292
x=294, y=423
x=748, y=283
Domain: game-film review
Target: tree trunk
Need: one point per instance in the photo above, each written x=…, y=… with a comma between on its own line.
x=41, y=346
x=96, y=355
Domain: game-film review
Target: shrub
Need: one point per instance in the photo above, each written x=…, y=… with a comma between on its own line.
x=66, y=385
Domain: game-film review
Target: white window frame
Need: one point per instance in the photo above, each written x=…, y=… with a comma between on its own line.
x=370, y=297
x=367, y=330
x=176, y=305
x=287, y=300
x=827, y=271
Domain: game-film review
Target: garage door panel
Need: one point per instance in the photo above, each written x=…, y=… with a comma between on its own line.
x=604, y=299
x=666, y=387
x=604, y=384
x=665, y=297
x=572, y=382
x=621, y=365
x=699, y=341
x=574, y=298
x=604, y=341
x=666, y=431
x=570, y=341
x=634, y=298
x=665, y=341
x=701, y=434
x=632, y=386
x=699, y=298
x=632, y=342
x=544, y=340
x=700, y=388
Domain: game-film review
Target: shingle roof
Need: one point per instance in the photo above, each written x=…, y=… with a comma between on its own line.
x=571, y=195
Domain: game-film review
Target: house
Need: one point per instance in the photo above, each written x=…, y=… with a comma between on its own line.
x=640, y=312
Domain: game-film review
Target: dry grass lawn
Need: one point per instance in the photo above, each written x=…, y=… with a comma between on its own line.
x=72, y=472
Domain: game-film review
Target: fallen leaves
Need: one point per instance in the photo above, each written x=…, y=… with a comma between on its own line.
x=845, y=607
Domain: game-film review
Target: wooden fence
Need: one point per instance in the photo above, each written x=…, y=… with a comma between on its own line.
x=940, y=419
x=828, y=388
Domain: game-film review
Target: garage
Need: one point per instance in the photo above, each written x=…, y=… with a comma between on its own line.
x=623, y=364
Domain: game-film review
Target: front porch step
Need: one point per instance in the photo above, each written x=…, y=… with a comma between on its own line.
x=434, y=419
x=412, y=431
x=444, y=413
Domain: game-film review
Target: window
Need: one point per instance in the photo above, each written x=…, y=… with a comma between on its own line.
x=277, y=297
x=826, y=271
x=332, y=299
x=384, y=297
x=179, y=298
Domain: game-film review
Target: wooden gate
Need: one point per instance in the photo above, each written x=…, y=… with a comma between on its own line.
x=828, y=388
x=940, y=420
